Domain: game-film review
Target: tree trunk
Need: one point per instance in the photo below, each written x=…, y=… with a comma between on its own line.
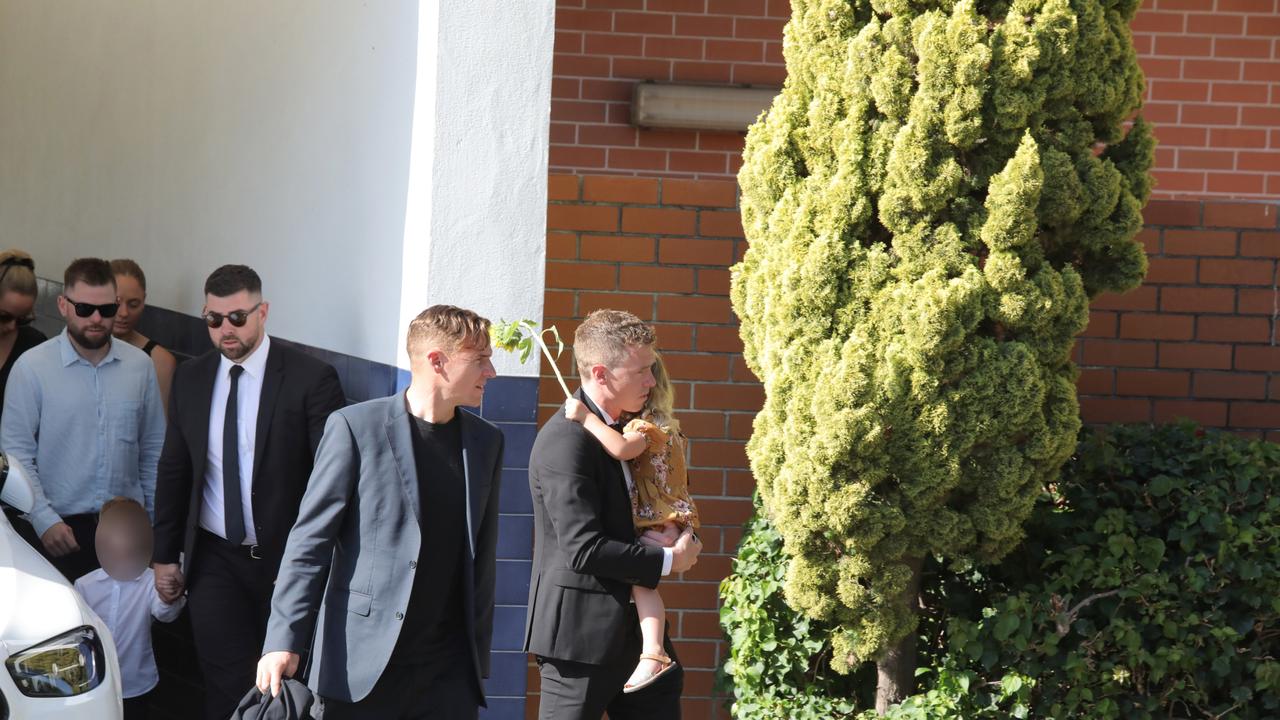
x=896, y=671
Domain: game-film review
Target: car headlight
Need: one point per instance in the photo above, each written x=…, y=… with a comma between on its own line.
x=69, y=664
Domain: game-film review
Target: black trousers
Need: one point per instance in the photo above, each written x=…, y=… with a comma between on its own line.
x=580, y=691
x=229, y=598
x=415, y=692
x=72, y=565
x=137, y=708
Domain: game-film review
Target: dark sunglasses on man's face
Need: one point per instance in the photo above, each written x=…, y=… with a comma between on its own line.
x=6, y=318
x=84, y=310
x=237, y=318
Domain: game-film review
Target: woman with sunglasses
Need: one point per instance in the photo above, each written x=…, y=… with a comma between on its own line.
x=17, y=305
x=131, y=293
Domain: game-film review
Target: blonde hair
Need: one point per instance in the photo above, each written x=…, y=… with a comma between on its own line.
x=604, y=338
x=662, y=397
x=19, y=273
x=448, y=327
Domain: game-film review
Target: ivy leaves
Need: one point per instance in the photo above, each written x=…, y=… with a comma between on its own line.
x=1150, y=581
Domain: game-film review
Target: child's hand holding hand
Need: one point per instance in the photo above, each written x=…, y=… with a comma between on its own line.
x=575, y=410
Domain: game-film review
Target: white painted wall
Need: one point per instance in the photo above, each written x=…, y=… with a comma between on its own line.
x=326, y=145
x=477, y=181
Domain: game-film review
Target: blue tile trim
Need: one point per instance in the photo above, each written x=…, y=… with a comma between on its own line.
x=508, y=627
x=513, y=583
x=519, y=443
x=511, y=399
x=507, y=675
x=515, y=498
x=503, y=709
x=515, y=537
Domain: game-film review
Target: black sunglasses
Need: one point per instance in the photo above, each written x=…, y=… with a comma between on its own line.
x=237, y=318
x=6, y=318
x=84, y=310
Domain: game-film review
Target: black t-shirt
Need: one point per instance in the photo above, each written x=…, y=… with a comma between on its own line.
x=28, y=337
x=434, y=624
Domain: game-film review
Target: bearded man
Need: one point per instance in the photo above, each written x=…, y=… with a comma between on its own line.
x=245, y=420
x=82, y=413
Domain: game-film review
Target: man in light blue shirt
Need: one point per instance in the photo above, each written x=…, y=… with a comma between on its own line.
x=82, y=413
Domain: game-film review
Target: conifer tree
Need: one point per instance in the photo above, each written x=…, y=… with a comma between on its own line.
x=930, y=203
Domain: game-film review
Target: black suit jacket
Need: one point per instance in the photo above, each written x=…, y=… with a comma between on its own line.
x=298, y=394
x=585, y=557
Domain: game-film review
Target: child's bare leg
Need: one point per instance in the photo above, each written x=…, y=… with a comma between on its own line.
x=653, y=621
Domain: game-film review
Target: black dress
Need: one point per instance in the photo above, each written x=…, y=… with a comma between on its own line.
x=28, y=337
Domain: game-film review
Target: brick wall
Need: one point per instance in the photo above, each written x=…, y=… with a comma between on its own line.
x=1198, y=339
x=646, y=220
x=1213, y=86
x=1213, y=91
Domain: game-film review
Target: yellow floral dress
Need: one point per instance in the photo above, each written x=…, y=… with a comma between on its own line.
x=660, y=480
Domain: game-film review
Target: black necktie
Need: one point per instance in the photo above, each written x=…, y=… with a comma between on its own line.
x=231, y=510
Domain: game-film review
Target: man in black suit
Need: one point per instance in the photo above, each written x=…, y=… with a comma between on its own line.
x=582, y=628
x=244, y=424
x=392, y=561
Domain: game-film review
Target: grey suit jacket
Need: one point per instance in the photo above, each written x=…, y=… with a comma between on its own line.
x=349, y=563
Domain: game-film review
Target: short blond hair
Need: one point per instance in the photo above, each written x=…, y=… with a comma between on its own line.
x=447, y=327
x=606, y=336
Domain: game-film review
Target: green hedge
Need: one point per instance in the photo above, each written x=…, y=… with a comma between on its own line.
x=1148, y=587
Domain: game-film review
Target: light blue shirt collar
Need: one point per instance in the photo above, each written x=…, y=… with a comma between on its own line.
x=71, y=357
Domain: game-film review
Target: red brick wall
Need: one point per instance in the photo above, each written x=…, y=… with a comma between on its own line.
x=1213, y=86
x=1198, y=339
x=646, y=220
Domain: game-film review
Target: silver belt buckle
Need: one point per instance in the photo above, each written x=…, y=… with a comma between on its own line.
x=253, y=552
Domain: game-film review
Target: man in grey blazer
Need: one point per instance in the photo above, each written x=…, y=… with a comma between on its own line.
x=391, y=562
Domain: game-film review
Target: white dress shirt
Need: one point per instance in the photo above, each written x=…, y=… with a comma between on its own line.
x=248, y=392
x=127, y=606
x=667, y=553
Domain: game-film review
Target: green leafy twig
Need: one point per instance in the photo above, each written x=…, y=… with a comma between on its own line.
x=521, y=335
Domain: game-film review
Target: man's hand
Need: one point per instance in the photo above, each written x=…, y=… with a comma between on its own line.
x=169, y=581
x=59, y=540
x=273, y=668
x=684, y=554
x=665, y=537
x=575, y=410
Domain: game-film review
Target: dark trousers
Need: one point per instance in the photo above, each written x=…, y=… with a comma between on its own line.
x=580, y=691
x=135, y=708
x=229, y=598
x=72, y=565
x=415, y=692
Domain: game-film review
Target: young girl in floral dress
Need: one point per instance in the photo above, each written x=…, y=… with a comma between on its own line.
x=653, y=447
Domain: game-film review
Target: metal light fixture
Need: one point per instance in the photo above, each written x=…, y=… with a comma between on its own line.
x=698, y=107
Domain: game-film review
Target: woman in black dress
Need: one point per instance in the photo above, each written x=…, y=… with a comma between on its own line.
x=17, y=311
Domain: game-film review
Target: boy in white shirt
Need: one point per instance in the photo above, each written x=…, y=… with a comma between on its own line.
x=123, y=593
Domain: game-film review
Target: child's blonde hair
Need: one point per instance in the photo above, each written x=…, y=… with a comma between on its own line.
x=662, y=397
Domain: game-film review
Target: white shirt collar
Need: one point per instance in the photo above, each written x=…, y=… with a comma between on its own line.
x=255, y=364
x=604, y=415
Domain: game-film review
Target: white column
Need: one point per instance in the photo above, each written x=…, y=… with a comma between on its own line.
x=475, y=230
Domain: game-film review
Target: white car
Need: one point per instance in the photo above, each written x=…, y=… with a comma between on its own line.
x=59, y=659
